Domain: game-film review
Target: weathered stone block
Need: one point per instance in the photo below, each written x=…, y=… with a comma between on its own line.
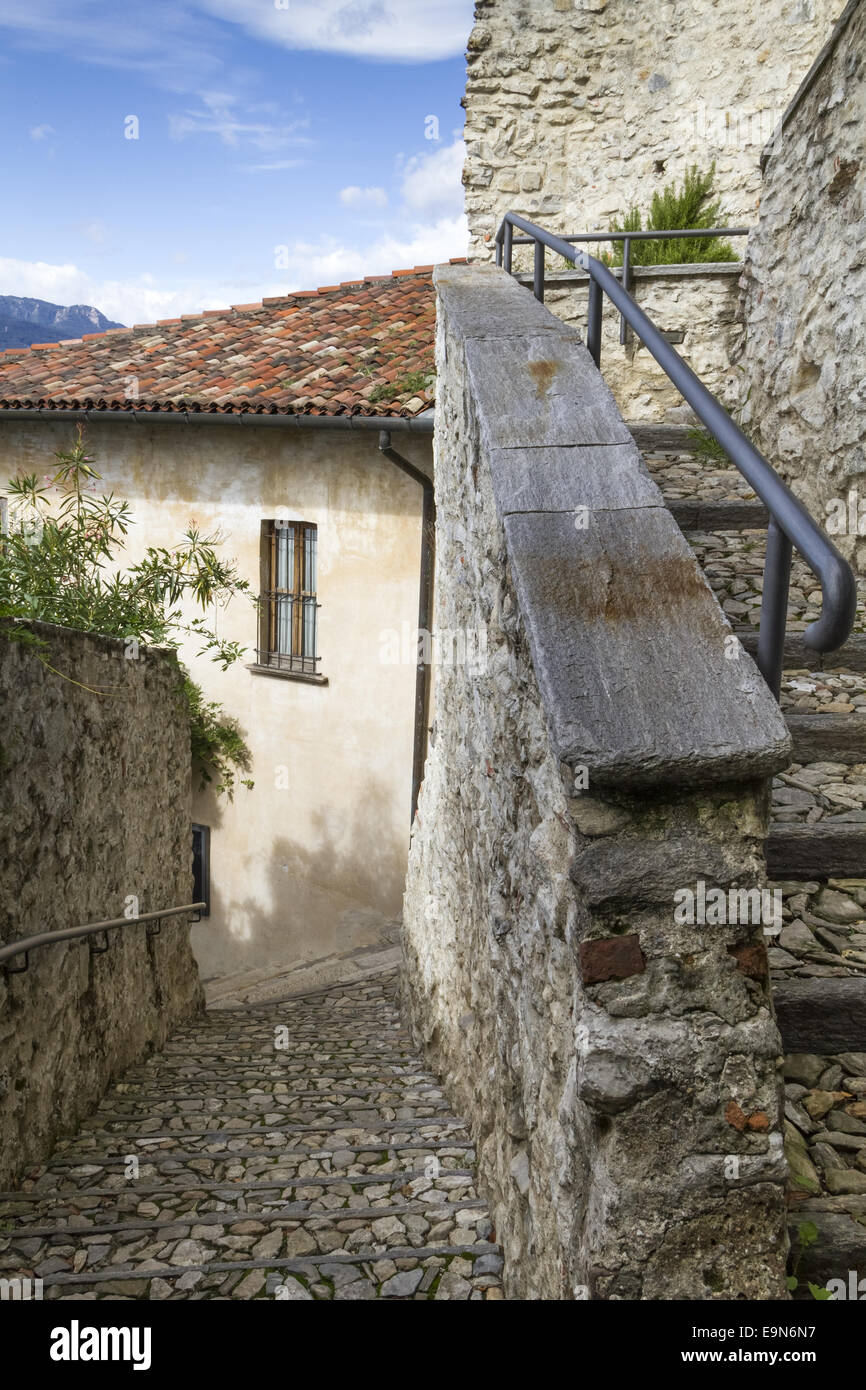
x=613, y=958
x=95, y=807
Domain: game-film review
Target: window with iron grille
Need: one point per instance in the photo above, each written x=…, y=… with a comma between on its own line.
x=288, y=606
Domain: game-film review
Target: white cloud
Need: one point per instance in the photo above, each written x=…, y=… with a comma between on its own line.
x=167, y=39
x=310, y=264
x=260, y=125
x=94, y=231
x=178, y=45
x=359, y=197
x=41, y=132
x=432, y=183
x=274, y=164
x=133, y=301
x=328, y=261
x=413, y=31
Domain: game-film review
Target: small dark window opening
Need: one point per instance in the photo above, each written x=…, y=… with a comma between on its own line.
x=288, y=603
x=201, y=866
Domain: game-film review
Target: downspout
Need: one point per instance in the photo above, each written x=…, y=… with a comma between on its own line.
x=425, y=610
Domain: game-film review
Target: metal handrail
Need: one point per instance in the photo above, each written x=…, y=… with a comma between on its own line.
x=25, y=944
x=791, y=525
x=625, y=237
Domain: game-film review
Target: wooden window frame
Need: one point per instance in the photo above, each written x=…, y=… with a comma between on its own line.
x=298, y=659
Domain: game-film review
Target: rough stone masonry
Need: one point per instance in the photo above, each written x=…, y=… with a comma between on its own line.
x=95, y=782
x=618, y=1069
x=576, y=110
x=803, y=345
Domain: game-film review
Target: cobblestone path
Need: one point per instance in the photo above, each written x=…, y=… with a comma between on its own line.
x=288, y=1151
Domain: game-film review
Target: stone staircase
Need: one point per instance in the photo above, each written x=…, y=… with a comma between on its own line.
x=816, y=854
x=300, y=1150
x=297, y=1150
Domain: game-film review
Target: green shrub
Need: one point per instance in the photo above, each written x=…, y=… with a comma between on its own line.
x=58, y=564
x=674, y=209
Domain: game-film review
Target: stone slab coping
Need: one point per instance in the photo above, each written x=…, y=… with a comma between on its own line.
x=642, y=680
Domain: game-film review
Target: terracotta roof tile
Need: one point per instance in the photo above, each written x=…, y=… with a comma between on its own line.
x=363, y=347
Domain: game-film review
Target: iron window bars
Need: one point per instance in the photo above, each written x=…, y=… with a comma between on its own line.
x=288, y=605
x=791, y=525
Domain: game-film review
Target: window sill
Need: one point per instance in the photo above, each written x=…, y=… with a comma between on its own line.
x=305, y=677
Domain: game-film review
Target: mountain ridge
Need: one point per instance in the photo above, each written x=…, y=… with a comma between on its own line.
x=24, y=321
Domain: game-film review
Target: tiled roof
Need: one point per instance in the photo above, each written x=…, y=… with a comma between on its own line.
x=362, y=347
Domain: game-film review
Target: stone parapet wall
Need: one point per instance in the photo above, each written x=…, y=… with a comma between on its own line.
x=94, y=809
x=618, y=1069
x=803, y=358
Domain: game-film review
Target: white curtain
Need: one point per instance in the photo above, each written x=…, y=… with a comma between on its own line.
x=285, y=544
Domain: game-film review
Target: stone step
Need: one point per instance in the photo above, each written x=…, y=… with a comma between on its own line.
x=799, y=657
x=267, y=1109
x=822, y=1016
x=279, y=1067
x=135, y=1247
x=815, y=851
x=662, y=439
x=256, y=1083
x=83, y=1211
x=834, y=738
x=261, y=1164
x=288, y=1136
x=148, y=1125
x=719, y=516
x=265, y=1018
x=733, y=562
x=302, y=1046
x=304, y=1009
x=441, y=1273
x=313, y=1054
x=67, y=1195
x=226, y=1167
x=108, y=1219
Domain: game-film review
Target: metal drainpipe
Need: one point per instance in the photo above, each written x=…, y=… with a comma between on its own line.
x=425, y=609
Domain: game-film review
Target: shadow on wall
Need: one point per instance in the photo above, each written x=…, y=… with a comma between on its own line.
x=310, y=900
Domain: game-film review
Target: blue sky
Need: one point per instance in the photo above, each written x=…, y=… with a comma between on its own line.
x=281, y=144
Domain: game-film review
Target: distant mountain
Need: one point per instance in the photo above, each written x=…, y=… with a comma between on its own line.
x=26, y=321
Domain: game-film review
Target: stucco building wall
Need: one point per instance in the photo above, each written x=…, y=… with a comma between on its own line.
x=311, y=862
